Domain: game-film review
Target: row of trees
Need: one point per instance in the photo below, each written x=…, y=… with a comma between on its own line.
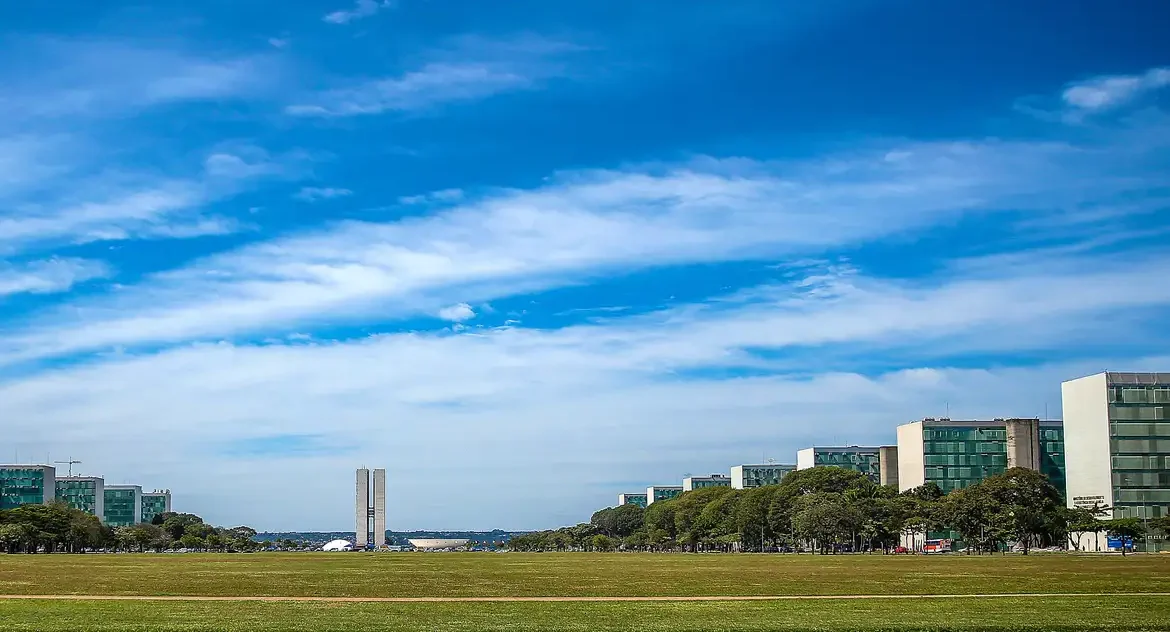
x=57, y=527
x=831, y=509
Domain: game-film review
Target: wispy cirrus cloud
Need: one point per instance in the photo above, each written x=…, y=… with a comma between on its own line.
x=361, y=9
x=313, y=194
x=49, y=275
x=99, y=77
x=585, y=224
x=119, y=206
x=1106, y=92
x=469, y=69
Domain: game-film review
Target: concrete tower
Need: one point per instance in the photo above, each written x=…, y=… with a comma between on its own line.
x=379, y=508
x=362, y=513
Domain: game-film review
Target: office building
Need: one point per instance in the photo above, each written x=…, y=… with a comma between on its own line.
x=370, y=517
x=632, y=499
x=867, y=460
x=691, y=483
x=749, y=476
x=86, y=493
x=155, y=503
x=27, y=485
x=655, y=493
x=1117, y=442
x=954, y=454
x=122, y=505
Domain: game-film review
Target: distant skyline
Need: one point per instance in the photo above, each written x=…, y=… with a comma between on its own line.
x=529, y=255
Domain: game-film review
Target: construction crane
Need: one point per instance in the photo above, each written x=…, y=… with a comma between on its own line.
x=70, y=462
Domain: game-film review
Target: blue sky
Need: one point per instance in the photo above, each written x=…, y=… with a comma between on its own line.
x=529, y=255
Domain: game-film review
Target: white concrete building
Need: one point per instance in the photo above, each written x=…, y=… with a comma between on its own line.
x=1117, y=449
x=655, y=493
x=749, y=476
x=692, y=483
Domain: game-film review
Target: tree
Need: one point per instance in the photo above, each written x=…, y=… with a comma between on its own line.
x=602, y=543
x=1080, y=520
x=10, y=536
x=1024, y=505
x=1125, y=528
x=176, y=523
x=751, y=516
x=971, y=511
x=619, y=522
x=825, y=519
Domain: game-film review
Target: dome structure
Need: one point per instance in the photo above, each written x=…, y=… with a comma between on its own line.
x=435, y=544
x=338, y=545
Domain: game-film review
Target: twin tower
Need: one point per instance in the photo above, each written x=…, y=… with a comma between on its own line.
x=370, y=528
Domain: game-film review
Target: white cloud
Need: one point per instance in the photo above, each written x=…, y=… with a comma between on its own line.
x=50, y=275
x=313, y=194
x=585, y=224
x=119, y=206
x=1107, y=92
x=278, y=42
x=442, y=196
x=361, y=9
x=474, y=69
x=99, y=78
x=458, y=312
x=507, y=402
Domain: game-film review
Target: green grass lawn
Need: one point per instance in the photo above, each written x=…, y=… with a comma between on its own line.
x=1080, y=614
x=573, y=574
x=438, y=575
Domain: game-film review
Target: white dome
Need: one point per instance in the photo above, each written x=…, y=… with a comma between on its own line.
x=338, y=545
x=437, y=543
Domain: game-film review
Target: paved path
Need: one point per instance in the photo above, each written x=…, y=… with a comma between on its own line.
x=557, y=599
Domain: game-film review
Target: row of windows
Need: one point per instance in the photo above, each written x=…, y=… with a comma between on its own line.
x=966, y=459
x=966, y=473
x=1141, y=479
x=1137, y=413
x=1139, y=394
x=1139, y=430
x=964, y=447
x=850, y=457
x=965, y=434
x=1160, y=496
x=1154, y=462
x=1140, y=446
x=1149, y=512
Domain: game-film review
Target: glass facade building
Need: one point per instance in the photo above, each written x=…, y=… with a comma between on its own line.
x=749, y=476
x=123, y=505
x=692, y=483
x=866, y=460
x=154, y=503
x=1117, y=428
x=632, y=499
x=955, y=454
x=655, y=493
x=86, y=493
x=27, y=485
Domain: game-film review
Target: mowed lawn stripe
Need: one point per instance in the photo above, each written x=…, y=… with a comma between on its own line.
x=573, y=574
x=549, y=599
x=1051, y=614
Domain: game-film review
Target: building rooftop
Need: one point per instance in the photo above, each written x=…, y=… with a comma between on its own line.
x=1137, y=379
x=981, y=422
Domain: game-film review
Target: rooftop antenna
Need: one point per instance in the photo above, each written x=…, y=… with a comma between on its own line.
x=71, y=462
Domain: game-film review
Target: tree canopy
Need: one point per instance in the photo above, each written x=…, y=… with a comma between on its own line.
x=828, y=510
